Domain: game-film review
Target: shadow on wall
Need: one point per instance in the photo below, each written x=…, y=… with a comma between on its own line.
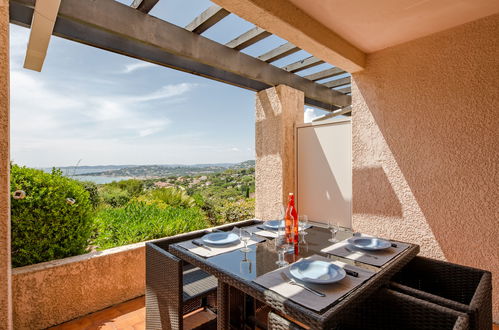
x=441, y=130
x=374, y=183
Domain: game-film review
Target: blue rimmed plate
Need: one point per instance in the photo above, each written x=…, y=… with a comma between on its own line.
x=316, y=271
x=220, y=238
x=274, y=224
x=369, y=243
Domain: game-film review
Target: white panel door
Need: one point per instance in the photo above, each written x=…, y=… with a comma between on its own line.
x=324, y=171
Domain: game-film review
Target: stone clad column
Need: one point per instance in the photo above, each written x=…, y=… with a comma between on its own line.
x=5, y=267
x=278, y=110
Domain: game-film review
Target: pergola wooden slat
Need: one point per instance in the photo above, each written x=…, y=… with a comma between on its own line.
x=207, y=19
x=279, y=52
x=144, y=6
x=106, y=24
x=248, y=38
x=325, y=74
x=338, y=82
x=306, y=63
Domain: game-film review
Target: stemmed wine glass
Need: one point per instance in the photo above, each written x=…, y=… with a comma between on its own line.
x=282, y=245
x=245, y=236
x=303, y=224
x=334, y=227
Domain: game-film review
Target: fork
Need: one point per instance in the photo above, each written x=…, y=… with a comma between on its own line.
x=293, y=282
x=363, y=253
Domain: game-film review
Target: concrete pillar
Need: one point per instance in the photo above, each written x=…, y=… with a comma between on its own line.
x=5, y=266
x=278, y=110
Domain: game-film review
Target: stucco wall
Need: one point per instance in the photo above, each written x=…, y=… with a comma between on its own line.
x=5, y=297
x=53, y=292
x=426, y=145
x=278, y=110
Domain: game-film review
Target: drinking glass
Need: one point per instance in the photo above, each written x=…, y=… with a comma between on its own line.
x=282, y=245
x=245, y=236
x=333, y=226
x=303, y=224
x=245, y=265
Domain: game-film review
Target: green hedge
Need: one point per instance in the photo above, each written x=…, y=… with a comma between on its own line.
x=139, y=221
x=44, y=225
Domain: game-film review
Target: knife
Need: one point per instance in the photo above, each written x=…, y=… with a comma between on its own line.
x=264, y=228
x=293, y=282
x=197, y=243
x=351, y=272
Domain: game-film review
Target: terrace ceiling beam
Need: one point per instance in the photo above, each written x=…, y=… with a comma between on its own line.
x=286, y=20
x=324, y=74
x=306, y=63
x=338, y=82
x=207, y=19
x=42, y=26
x=279, y=52
x=248, y=38
x=144, y=6
x=106, y=24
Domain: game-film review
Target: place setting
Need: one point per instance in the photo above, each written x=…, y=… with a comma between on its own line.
x=270, y=228
x=218, y=242
x=315, y=282
x=366, y=249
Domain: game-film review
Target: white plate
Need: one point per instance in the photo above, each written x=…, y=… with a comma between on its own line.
x=274, y=224
x=220, y=238
x=316, y=271
x=369, y=243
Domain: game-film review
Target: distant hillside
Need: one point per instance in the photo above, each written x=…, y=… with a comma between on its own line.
x=160, y=171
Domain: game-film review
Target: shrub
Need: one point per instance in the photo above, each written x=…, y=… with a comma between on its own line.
x=231, y=211
x=139, y=221
x=114, y=196
x=169, y=196
x=93, y=192
x=133, y=187
x=44, y=225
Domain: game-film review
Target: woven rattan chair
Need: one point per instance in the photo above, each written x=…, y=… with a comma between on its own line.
x=387, y=309
x=462, y=288
x=174, y=288
x=277, y=322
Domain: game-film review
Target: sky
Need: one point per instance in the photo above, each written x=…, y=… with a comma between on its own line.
x=99, y=108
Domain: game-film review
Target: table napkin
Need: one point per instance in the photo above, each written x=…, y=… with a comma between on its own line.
x=334, y=291
x=365, y=256
x=213, y=251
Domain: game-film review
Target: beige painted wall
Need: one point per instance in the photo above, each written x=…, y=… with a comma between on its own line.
x=426, y=145
x=278, y=110
x=53, y=292
x=5, y=280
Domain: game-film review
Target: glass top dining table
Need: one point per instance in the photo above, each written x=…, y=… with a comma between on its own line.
x=237, y=269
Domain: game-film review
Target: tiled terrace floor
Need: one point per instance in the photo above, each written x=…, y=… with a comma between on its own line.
x=128, y=315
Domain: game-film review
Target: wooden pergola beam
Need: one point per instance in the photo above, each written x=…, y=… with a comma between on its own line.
x=144, y=6
x=324, y=74
x=286, y=20
x=279, y=52
x=345, y=111
x=248, y=38
x=306, y=63
x=106, y=24
x=338, y=82
x=42, y=25
x=345, y=90
x=207, y=19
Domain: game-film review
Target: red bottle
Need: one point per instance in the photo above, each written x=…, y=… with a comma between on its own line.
x=291, y=221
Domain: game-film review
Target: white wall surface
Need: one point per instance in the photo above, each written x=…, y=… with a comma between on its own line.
x=324, y=171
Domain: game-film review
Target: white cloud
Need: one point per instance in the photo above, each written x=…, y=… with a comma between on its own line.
x=136, y=66
x=310, y=115
x=234, y=149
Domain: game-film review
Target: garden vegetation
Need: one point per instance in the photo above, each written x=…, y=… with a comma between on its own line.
x=56, y=217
